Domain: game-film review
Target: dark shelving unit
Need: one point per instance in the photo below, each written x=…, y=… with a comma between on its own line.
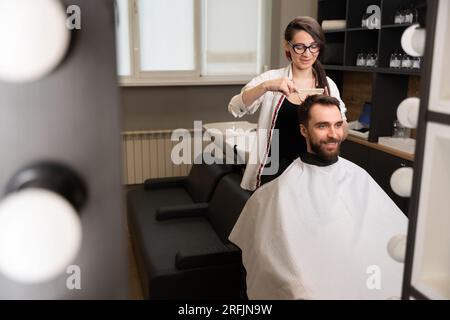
x=399, y=71
x=390, y=85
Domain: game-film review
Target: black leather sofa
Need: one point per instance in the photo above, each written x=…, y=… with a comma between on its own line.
x=181, y=240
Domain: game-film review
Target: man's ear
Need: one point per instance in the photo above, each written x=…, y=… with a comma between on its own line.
x=304, y=131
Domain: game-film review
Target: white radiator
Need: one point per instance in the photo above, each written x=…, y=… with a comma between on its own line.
x=146, y=154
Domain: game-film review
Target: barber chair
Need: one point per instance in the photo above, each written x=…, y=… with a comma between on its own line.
x=196, y=188
x=183, y=251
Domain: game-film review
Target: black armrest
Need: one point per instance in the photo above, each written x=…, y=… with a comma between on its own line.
x=181, y=211
x=160, y=183
x=209, y=256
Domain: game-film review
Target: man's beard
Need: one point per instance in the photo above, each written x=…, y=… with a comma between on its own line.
x=321, y=152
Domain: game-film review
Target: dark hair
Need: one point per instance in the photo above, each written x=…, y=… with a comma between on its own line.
x=304, y=110
x=313, y=28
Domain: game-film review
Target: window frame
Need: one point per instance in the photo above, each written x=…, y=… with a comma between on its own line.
x=185, y=78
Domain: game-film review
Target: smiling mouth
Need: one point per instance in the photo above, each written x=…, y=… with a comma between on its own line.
x=331, y=144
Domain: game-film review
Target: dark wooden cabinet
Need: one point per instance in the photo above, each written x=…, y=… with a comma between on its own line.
x=379, y=165
x=355, y=153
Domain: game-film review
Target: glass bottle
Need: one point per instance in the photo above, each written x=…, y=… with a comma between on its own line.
x=393, y=60
x=412, y=15
x=398, y=131
x=371, y=60
x=361, y=59
x=396, y=59
x=416, y=63
x=397, y=17
x=375, y=60
x=364, y=20
x=368, y=59
x=408, y=16
x=402, y=16
x=406, y=61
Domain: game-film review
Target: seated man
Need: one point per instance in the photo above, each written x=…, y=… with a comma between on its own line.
x=321, y=230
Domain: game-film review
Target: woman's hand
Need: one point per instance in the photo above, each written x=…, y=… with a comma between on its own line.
x=283, y=85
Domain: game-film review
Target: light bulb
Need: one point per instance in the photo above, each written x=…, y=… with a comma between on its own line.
x=401, y=181
x=408, y=112
x=413, y=41
x=33, y=37
x=397, y=247
x=40, y=235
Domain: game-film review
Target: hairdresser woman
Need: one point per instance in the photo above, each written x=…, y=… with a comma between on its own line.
x=278, y=93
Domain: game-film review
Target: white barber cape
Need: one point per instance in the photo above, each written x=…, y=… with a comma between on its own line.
x=320, y=233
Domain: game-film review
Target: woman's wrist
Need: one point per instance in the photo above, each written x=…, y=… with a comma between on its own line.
x=251, y=95
x=264, y=87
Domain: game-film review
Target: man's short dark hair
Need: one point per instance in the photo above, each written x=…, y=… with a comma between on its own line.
x=304, y=109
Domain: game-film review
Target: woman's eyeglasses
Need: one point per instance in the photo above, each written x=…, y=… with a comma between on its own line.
x=300, y=48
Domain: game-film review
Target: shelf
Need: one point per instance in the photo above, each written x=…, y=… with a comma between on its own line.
x=349, y=68
x=360, y=29
x=389, y=26
x=334, y=31
x=373, y=145
x=370, y=69
x=399, y=71
x=431, y=264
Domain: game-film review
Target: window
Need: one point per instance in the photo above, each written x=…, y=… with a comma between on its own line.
x=123, y=38
x=162, y=42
